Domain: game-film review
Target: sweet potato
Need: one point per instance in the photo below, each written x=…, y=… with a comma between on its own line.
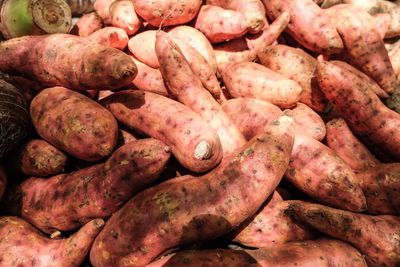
x=271, y=227
x=186, y=86
x=219, y=24
x=187, y=209
x=87, y=24
x=167, y=12
x=53, y=60
x=38, y=158
x=340, y=138
x=308, y=122
x=197, y=40
x=394, y=56
x=127, y=136
x=365, y=114
x=234, y=51
x=110, y=36
x=320, y=173
x=23, y=245
x=381, y=185
x=364, y=47
x=251, y=115
x=67, y=201
x=142, y=47
x=377, y=237
x=382, y=23
x=192, y=141
x=308, y=24
x=149, y=79
x=74, y=123
x=3, y=181
x=102, y=8
x=248, y=79
x=321, y=253
x=295, y=64
x=123, y=15
x=252, y=10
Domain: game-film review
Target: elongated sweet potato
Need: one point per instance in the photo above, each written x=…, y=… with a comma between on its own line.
x=365, y=48
x=87, y=24
x=248, y=79
x=167, y=12
x=192, y=141
x=340, y=138
x=142, y=47
x=186, y=86
x=295, y=64
x=308, y=24
x=53, y=60
x=377, y=237
x=123, y=15
x=234, y=51
x=251, y=115
x=219, y=24
x=365, y=114
x=23, y=245
x=318, y=253
x=110, y=36
x=308, y=122
x=3, y=181
x=271, y=227
x=67, y=201
x=188, y=209
x=74, y=123
x=319, y=172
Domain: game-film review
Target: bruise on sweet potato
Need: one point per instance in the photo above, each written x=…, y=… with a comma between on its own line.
x=219, y=24
x=308, y=24
x=192, y=141
x=340, y=138
x=321, y=253
x=187, y=209
x=110, y=36
x=359, y=106
x=308, y=122
x=186, y=86
x=38, y=158
x=3, y=181
x=67, y=60
x=123, y=16
x=23, y=245
x=249, y=79
x=295, y=64
x=365, y=48
x=67, y=201
x=74, y=123
x=87, y=24
x=316, y=170
x=377, y=237
x=142, y=46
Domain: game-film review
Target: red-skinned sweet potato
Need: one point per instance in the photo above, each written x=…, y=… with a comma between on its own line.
x=308, y=24
x=188, y=209
x=186, y=86
x=110, y=36
x=87, y=24
x=234, y=51
x=308, y=122
x=23, y=245
x=340, y=138
x=192, y=141
x=102, y=8
x=74, y=123
x=358, y=105
x=67, y=60
x=123, y=15
x=375, y=236
x=67, y=201
x=127, y=136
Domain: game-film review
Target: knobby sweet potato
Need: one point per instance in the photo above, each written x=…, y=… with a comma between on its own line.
x=53, y=60
x=110, y=36
x=67, y=201
x=87, y=24
x=74, y=123
x=186, y=86
x=377, y=237
x=142, y=47
x=192, y=141
x=23, y=245
x=123, y=15
x=188, y=209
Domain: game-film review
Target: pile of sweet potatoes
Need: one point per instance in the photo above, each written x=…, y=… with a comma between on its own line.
x=206, y=133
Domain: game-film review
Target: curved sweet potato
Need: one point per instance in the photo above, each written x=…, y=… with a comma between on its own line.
x=189, y=209
x=87, y=24
x=192, y=141
x=110, y=36
x=74, y=123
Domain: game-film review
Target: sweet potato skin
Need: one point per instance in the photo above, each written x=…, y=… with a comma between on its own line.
x=374, y=236
x=364, y=113
x=110, y=36
x=233, y=51
x=249, y=79
x=41, y=251
x=52, y=60
x=93, y=192
x=308, y=122
x=142, y=46
x=74, y=123
x=123, y=16
x=188, y=209
x=184, y=131
x=308, y=24
x=87, y=24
